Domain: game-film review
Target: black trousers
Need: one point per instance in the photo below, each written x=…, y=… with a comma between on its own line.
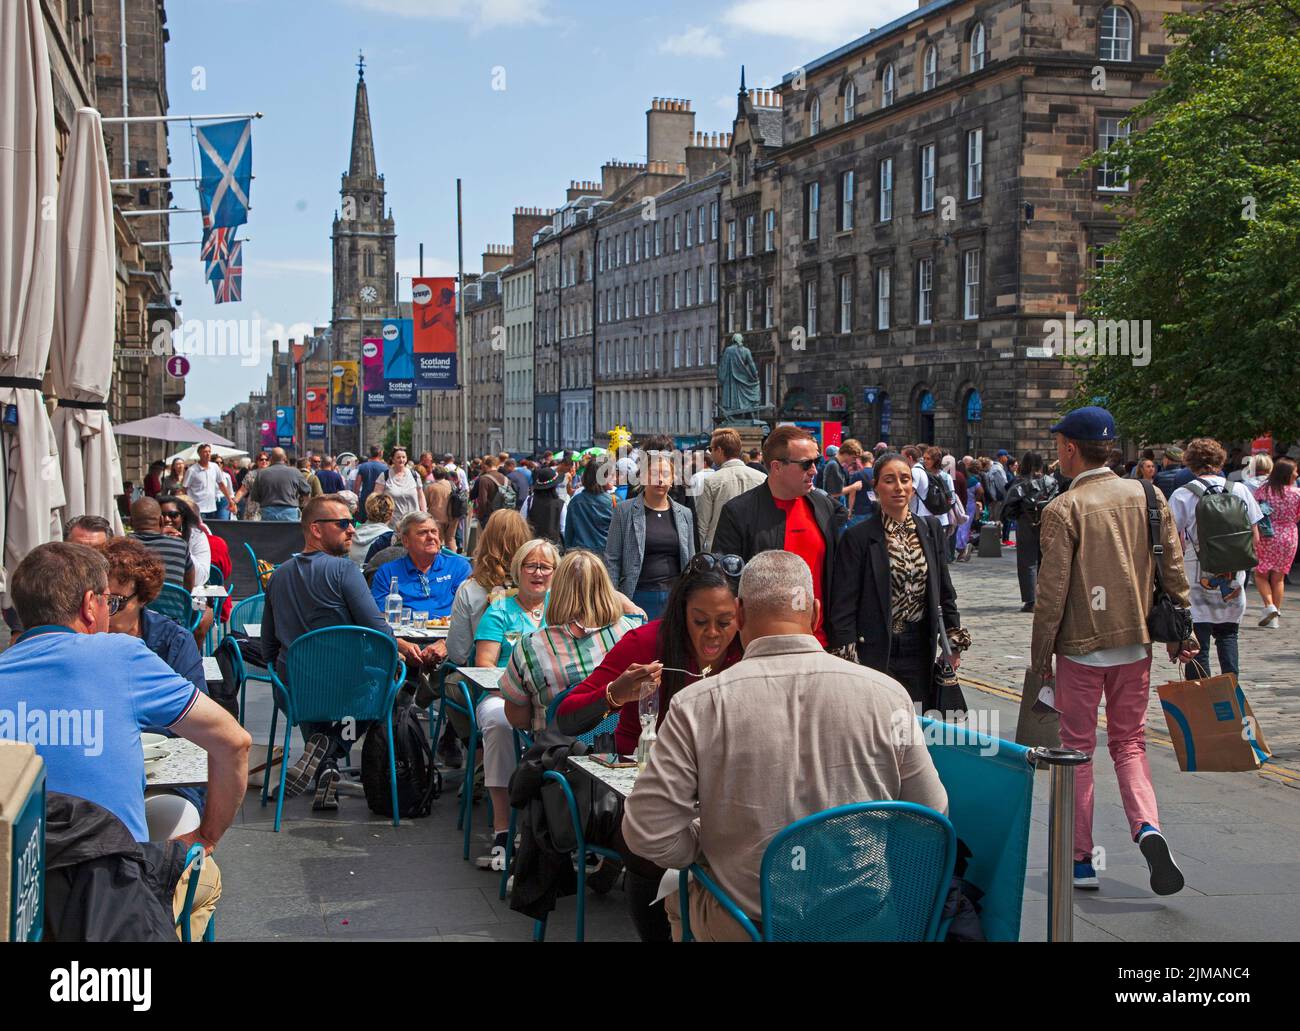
x=911, y=661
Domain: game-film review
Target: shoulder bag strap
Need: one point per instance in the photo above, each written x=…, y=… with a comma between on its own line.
x=1153, y=532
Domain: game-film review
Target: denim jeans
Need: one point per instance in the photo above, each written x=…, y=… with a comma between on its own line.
x=281, y=513
x=652, y=601
x=1225, y=641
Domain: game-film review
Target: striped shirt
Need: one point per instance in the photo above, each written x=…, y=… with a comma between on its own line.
x=174, y=554
x=547, y=663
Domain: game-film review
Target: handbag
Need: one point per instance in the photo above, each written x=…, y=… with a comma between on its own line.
x=946, y=688
x=1167, y=622
x=1265, y=525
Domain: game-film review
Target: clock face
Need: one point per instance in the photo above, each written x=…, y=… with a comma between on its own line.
x=369, y=295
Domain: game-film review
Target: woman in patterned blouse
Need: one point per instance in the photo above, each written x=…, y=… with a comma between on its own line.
x=891, y=588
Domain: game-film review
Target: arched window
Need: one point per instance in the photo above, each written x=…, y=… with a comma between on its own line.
x=977, y=49
x=887, y=86
x=1116, y=35
x=850, y=101
x=815, y=116
x=930, y=68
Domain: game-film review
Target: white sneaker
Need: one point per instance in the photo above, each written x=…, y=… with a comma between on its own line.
x=1271, y=621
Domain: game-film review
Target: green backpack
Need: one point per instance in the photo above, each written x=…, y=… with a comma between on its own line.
x=1224, y=541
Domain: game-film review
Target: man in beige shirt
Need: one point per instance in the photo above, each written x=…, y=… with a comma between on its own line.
x=731, y=477
x=786, y=732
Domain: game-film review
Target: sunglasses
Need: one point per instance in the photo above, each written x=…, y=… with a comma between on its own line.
x=116, y=602
x=342, y=524
x=731, y=565
x=804, y=464
x=170, y=513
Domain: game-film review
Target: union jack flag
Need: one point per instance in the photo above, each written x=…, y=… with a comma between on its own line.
x=216, y=242
x=228, y=288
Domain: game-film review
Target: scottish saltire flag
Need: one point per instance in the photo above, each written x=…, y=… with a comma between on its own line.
x=226, y=161
x=231, y=285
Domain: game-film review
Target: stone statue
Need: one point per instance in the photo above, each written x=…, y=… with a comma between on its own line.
x=738, y=391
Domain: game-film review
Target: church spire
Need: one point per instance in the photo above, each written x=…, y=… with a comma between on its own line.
x=362, y=162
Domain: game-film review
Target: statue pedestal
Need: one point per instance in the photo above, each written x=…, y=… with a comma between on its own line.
x=751, y=435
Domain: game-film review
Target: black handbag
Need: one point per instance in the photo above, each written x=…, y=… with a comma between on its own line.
x=1167, y=622
x=947, y=688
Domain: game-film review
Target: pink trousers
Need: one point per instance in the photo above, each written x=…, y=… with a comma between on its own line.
x=1078, y=692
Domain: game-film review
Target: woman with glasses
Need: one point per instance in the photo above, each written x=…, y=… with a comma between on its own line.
x=180, y=518
x=651, y=539
x=506, y=621
x=244, y=496
x=695, y=637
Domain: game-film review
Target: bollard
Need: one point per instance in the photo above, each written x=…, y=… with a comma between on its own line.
x=990, y=544
x=1060, y=839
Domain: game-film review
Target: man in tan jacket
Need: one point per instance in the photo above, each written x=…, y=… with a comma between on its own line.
x=786, y=732
x=731, y=478
x=1096, y=581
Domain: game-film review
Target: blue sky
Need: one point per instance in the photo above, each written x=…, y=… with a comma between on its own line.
x=578, y=78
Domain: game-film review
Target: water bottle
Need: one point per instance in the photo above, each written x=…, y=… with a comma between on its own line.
x=393, y=605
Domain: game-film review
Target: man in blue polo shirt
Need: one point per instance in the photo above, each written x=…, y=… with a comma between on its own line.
x=427, y=577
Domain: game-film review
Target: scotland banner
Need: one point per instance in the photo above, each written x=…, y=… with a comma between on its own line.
x=284, y=421
x=226, y=175
x=373, y=390
x=399, y=364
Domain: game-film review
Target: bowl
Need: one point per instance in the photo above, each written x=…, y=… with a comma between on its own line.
x=153, y=740
x=155, y=754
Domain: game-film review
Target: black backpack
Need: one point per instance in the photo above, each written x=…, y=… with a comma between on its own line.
x=1039, y=493
x=458, y=503
x=937, y=500
x=419, y=782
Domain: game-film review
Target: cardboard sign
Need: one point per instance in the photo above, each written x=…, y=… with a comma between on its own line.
x=1212, y=726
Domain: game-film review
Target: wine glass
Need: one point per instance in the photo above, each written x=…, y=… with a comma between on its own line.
x=648, y=706
x=512, y=637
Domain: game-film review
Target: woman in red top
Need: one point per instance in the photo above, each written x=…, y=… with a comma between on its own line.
x=697, y=632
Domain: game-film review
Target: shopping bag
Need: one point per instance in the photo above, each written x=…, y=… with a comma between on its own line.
x=1037, y=725
x=1212, y=726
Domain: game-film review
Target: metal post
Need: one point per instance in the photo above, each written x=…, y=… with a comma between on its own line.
x=1060, y=839
x=126, y=95
x=461, y=344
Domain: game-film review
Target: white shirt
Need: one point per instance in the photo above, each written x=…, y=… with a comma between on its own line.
x=697, y=481
x=921, y=486
x=201, y=485
x=1208, y=605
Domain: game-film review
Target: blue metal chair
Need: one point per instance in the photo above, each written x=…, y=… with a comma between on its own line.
x=336, y=673
x=215, y=579
x=606, y=726
x=465, y=706
x=870, y=871
x=250, y=610
x=194, y=863
x=257, y=569
x=175, y=603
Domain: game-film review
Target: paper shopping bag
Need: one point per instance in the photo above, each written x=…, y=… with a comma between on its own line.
x=1212, y=726
x=1036, y=726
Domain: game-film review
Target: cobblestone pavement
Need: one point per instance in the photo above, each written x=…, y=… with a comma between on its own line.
x=989, y=599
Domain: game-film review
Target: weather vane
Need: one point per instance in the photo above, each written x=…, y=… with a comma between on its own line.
x=361, y=65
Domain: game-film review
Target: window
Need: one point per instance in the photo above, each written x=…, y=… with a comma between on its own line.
x=689, y=283
x=846, y=201
x=731, y=311
x=677, y=232
x=627, y=249
x=977, y=50
x=699, y=285
x=700, y=224
x=658, y=353
x=925, y=291
x=659, y=238
x=815, y=116
x=658, y=295
x=645, y=231
x=925, y=179
x=636, y=300
x=887, y=86
x=750, y=221
x=810, y=307
x=1116, y=35
x=713, y=349
x=769, y=229
x=636, y=246
x=749, y=310
x=974, y=164
x=604, y=253
x=1110, y=176
x=713, y=284
x=850, y=101
x=811, y=209
x=731, y=239
x=645, y=289
x=930, y=68
x=690, y=227
x=742, y=168
x=885, y=196
x=846, y=302
x=882, y=297
x=713, y=220
x=767, y=306
x=971, y=285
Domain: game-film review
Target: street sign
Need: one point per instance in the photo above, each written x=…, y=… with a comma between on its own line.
x=178, y=366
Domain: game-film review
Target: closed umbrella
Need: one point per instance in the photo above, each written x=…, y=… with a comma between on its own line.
x=81, y=359
x=33, y=488
x=173, y=428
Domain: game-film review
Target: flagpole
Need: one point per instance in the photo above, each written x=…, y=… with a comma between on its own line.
x=460, y=332
x=179, y=243
x=162, y=179
x=115, y=120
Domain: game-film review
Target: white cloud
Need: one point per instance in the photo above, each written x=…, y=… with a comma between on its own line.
x=479, y=14
x=696, y=41
x=823, y=22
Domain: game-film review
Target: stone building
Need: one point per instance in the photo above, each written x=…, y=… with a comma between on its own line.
x=932, y=214
x=485, y=347
x=517, y=318
x=364, y=244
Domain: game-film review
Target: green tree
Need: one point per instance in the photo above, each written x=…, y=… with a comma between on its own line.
x=1208, y=247
x=399, y=430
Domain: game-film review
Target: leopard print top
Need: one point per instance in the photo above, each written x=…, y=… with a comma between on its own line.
x=908, y=572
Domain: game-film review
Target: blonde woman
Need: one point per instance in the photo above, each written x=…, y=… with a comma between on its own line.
x=585, y=618
x=379, y=517
x=508, y=620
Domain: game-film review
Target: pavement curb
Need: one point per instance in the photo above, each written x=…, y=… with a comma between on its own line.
x=1279, y=773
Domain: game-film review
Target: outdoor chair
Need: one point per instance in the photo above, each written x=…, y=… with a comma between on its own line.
x=194, y=863
x=870, y=871
x=333, y=674
x=250, y=610
x=175, y=603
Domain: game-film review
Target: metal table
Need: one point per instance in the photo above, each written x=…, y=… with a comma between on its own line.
x=186, y=766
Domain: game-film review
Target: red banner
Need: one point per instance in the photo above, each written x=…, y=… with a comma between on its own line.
x=433, y=317
x=317, y=404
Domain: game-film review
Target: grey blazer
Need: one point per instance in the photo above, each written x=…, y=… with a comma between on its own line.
x=625, y=547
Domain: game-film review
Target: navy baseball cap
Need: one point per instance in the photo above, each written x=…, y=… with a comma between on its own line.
x=1004, y=451
x=1089, y=423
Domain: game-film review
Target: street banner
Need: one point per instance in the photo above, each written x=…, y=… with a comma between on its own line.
x=284, y=420
x=317, y=405
x=268, y=434
x=399, y=363
x=433, y=310
x=315, y=431
x=374, y=390
x=345, y=379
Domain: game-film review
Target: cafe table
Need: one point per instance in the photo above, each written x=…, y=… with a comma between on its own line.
x=620, y=781
x=186, y=766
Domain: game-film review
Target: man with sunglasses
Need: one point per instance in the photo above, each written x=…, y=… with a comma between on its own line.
x=321, y=587
x=784, y=513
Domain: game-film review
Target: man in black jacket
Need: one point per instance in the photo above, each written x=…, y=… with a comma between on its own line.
x=785, y=513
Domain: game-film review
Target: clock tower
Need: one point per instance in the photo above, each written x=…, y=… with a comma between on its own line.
x=364, y=240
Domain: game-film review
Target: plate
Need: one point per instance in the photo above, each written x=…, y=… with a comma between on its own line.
x=154, y=754
x=153, y=740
